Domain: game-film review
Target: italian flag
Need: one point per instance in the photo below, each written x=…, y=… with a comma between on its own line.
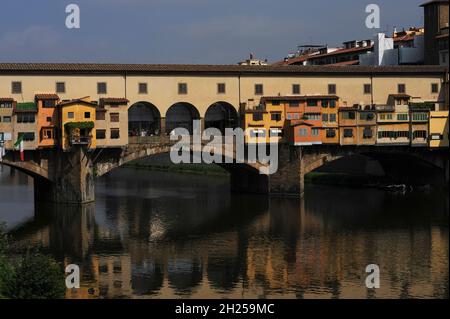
x=19, y=144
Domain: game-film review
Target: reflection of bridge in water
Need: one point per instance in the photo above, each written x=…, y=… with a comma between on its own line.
x=294, y=248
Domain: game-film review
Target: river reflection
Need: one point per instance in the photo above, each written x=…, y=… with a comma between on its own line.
x=164, y=235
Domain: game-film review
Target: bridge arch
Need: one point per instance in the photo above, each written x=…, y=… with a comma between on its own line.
x=28, y=168
x=144, y=119
x=181, y=115
x=221, y=115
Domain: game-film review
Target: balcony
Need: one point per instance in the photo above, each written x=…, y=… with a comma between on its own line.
x=80, y=140
x=385, y=108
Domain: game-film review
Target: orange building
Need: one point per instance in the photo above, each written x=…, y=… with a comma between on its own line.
x=304, y=133
x=348, y=132
x=330, y=119
x=47, y=120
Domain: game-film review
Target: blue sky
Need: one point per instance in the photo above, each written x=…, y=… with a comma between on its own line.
x=186, y=31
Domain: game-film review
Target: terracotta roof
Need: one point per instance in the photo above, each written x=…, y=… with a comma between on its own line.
x=113, y=100
x=298, y=98
x=341, y=51
x=6, y=99
x=300, y=122
x=75, y=101
x=432, y=2
x=407, y=37
x=65, y=68
x=47, y=97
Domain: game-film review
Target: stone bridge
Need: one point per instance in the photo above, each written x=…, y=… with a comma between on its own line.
x=69, y=177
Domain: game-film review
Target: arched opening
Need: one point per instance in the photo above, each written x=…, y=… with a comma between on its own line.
x=221, y=115
x=144, y=119
x=181, y=115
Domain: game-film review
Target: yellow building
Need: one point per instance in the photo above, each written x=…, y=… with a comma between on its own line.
x=265, y=122
x=438, y=130
x=78, y=123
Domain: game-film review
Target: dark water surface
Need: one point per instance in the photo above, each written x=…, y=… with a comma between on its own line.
x=164, y=235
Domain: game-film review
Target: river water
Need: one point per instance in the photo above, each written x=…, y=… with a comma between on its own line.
x=167, y=235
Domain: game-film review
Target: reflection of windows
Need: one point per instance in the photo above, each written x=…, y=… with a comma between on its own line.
x=115, y=133
x=348, y=133
x=100, y=134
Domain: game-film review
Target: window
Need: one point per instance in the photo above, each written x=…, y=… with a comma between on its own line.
x=420, y=134
x=294, y=104
x=115, y=133
x=49, y=103
x=25, y=118
x=60, y=87
x=221, y=88
x=70, y=115
x=48, y=118
x=182, y=88
x=420, y=117
x=259, y=89
x=403, y=134
x=367, y=133
x=276, y=103
x=325, y=117
x=114, y=117
x=100, y=115
x=401, y=88
x=142, y=88
x=348, y=115
x=332, y=103
x=27, y=137
x=366, y=116
x=367, y=88
x=16, y=87
x=315, y=132
x=331, y=88
x=87, y=115
x=47, y=134
x=331, y=133
x=312, y=116
x=276, y=117
x=101, y=88
x=6, y=105
x=348, y=133
x=7, y=119
x=311, y=103
x=100, y=134
x=257, y=117
x=325, y=103
x=303, y=132
x=295, y=88
x=332, y=117
x=402, y=117
x=434, y=88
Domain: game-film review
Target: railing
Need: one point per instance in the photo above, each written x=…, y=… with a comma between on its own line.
x=80, y=140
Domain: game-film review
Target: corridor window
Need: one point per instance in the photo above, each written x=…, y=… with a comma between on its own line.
x=276, y=117
x=101, y=88
x=295, y=89
x=143, y=88
x=315, y=132
x=294, y=104
x=259, y=89
x=331, y=89
x=114, y=117
x=87, y=115
x=401, y=88
x=221, y=88
x=257, y=116
x=25, y=118
x=434, y=88
x=115, y=133
x=16, y=87
x=60, y=87
x=367, y=89
x=7, y=119
x=182, y=88
x=402, y=117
